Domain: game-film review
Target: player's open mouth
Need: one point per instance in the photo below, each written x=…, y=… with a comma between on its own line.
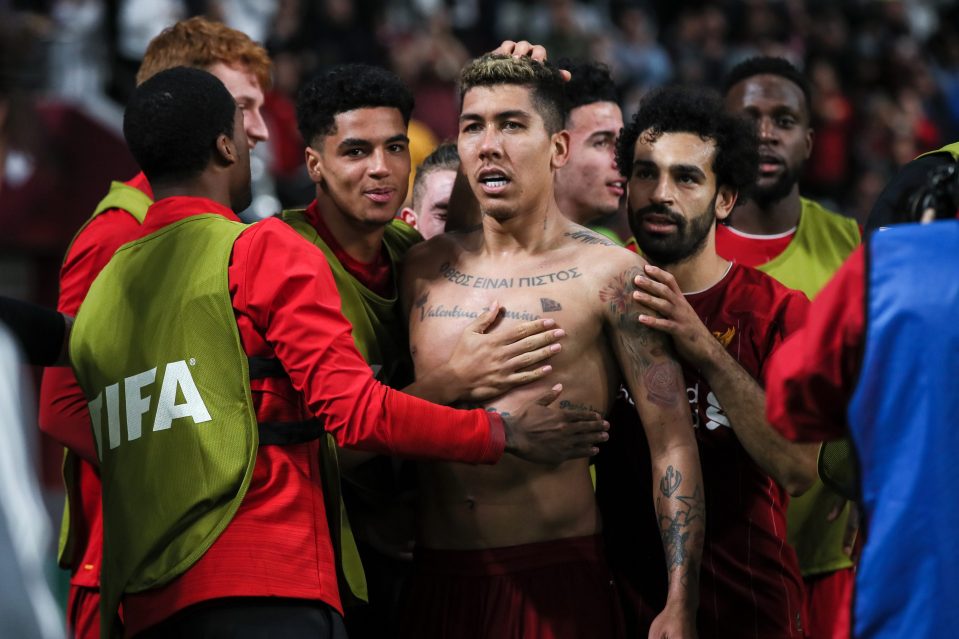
x=617, y=187
x=493, y=182
x=770, y=164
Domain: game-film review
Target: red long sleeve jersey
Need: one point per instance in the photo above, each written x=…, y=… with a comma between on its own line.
x=287, y=307
x=813, y=375
x=750, y=584
x=63, y=411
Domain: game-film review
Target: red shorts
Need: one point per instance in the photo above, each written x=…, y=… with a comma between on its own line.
x=829, y=604
x=83, y=612
x=558, y=589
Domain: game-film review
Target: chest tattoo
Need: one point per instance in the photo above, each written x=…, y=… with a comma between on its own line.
x=468, y=280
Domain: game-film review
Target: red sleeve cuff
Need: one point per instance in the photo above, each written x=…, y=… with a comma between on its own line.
x=497, y=429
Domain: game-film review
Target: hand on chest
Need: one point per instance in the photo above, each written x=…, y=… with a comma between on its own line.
x=457, y=295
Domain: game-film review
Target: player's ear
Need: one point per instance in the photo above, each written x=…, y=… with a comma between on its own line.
x=314, y=164
x=560, y=148
x=725, y=202
x=226, y=151
x=408, y=215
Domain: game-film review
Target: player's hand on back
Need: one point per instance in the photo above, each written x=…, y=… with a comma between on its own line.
x=541, y=433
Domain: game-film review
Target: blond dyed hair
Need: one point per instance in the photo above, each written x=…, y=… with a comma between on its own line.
x=543, y=80
x=201, y=43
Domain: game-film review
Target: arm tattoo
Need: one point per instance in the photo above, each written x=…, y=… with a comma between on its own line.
x=640, y=344
x=675, y=520
x=618, y=294
x=669, y=483
x=662, y=381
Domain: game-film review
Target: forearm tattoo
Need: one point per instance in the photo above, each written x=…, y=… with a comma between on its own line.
x=681, y=520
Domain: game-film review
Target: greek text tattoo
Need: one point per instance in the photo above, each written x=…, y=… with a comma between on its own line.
x=474, y=281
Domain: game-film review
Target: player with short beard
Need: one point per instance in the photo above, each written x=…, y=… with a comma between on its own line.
x=686, y=163
x=516, y=551
x=801, y=244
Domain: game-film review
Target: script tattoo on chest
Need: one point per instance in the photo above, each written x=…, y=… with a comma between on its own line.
x=442, y=311
x=467, y=280
x=456, y=311
x=589, y=237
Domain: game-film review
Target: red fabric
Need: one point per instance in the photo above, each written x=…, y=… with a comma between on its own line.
x=559, y=589
x=750, y=575
x=41, y=210
x=829, y=604
x=287, y=306
x=812, y=377
x=63, y=409
x=286, y=143
x=749, y=251
x=834, y=124
x=376, y=276
x=83, y=613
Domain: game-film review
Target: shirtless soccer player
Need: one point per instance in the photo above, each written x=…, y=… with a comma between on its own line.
x=515, y=551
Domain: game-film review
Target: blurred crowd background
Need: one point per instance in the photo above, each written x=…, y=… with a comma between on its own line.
x=885, y=78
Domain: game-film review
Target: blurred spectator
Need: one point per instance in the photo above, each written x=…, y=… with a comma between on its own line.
x=428, y=58
x=343, y=30
x=832, y=121
x=638, y=62
x=134, y=23
x=49, y=181
x=27, y=607
x=293, y=187
x=566, y=28
x=698, y=44
x=944, y=47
